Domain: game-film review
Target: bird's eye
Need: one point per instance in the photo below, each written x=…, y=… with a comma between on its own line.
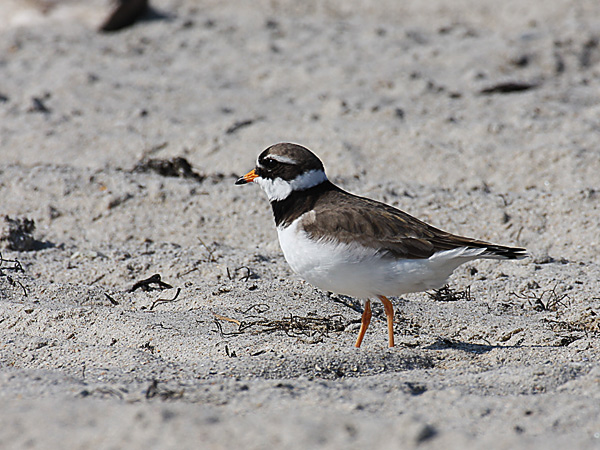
x=269, y=163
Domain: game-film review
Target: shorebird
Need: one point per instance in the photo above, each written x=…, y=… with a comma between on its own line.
x=353, y=245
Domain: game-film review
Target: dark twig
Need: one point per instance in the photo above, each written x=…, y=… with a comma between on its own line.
x=210, y=251
x=225, y=333
x=548, y=300
x=249, y=274
x=154, y=390
x=293, y=326
x=259, y=308
x=509, y=87
x=16, y=267
x=447, y=294
x=238, y=125
x=110, y=299
x=165, y=300
x=98, y=279
x=145, y=285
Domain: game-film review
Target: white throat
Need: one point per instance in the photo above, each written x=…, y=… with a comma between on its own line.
x=279, y=189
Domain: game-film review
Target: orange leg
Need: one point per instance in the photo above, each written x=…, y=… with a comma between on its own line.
x=389, y=312
x=364, y=323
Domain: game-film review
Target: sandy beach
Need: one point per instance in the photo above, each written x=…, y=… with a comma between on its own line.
x=118, y=157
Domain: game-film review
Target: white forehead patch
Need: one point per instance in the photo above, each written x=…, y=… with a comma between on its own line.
x=283, y=159
x=279, y=158
x=279, y=189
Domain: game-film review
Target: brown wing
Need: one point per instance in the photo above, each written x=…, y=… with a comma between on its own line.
x=392, y=231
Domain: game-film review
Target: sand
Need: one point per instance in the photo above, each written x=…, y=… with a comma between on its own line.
x=480, y=118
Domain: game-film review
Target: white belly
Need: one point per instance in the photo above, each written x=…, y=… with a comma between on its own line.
x=359, y=272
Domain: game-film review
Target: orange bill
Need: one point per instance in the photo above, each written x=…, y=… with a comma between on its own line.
x=248, y=178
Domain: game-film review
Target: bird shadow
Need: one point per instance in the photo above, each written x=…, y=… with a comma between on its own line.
x=442, y=343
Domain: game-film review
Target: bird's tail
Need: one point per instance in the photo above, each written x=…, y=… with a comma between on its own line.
x=493, y=251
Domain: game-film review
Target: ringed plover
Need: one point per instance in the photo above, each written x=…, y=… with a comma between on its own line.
x=353, y=245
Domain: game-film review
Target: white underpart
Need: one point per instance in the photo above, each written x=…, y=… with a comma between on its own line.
x=279, y=189
x=360, y=272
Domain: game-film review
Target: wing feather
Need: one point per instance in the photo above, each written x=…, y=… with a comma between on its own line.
x=388, y=229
